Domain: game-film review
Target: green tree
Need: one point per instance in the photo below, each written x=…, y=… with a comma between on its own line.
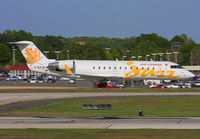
x=185, y=53
x=88, y=51
x=5, y=54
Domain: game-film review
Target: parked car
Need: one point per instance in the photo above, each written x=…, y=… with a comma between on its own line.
x=26, y=80
x=41, y=80
x=197, y=83
x=64, y=79
x=1, y=74
x=158, y=86
x=188, y=85
x=51, y=80
x=14, y=78
x=33, y=80
x=72, y=81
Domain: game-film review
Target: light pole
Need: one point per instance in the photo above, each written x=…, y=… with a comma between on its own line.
x=191, y=58
x=107, y=50
x=68, y=54
x=57, y=53
x=147, y=57
x=154, y=56
x=124, y=57
x=46, y=52
x=139, y=57
x=133, y=57
x=176, y=53
x=13, y=49
x=168, y=55
x=160, y=56
x=128, y=53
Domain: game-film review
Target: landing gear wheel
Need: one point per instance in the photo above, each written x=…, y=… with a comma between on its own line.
x=100, y=85
x=104, y=84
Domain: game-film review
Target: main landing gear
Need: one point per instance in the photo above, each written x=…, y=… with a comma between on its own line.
x=102, y=84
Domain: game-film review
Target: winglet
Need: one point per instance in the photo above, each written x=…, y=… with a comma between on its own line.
x=68, y=70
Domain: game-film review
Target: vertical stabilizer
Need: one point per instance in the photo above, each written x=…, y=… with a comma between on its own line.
x=34, y=57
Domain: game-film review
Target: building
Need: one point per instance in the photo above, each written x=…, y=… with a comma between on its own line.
x=22, y=71
x=81, y=42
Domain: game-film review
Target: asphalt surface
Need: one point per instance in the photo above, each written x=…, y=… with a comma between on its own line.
x=14, y=101
x=79, y=83
x=7, y=98
x=101, y=123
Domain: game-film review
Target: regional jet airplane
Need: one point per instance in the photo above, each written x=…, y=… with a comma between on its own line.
x=96, y=70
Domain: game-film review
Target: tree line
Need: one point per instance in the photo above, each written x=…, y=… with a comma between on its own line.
x=101, y=48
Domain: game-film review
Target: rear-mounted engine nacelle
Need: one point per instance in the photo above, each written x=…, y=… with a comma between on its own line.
x=60, y=65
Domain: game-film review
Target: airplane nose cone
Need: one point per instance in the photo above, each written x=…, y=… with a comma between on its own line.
x=190, y=75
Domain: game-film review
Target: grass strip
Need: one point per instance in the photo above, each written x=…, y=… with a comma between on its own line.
x=166, y=106
x=100, y=133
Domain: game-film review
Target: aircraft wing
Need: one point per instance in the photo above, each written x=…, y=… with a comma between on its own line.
x=95, y=77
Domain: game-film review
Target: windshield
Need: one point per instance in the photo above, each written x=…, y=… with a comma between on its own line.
x=176, y=67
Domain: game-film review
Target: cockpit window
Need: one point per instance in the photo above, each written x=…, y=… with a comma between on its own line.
x=180, y=67
x=176, y=67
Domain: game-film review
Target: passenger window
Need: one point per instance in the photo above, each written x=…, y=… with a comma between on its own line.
x=148, y=68
x=109, y=67
x=114, y=67
x=125, y=68
x=142, y=68
x=99, y=67
x=93, y=67
x=136, y=68
x=104, y=67
x=120, y=67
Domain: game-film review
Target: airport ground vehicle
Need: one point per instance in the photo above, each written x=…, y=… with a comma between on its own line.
x=106, y=84
x=173, y=86
x=158, y=86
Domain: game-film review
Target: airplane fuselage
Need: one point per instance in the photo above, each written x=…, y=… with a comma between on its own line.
x=127, y=69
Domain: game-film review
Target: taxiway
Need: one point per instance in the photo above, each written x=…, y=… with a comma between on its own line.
x=101, y=123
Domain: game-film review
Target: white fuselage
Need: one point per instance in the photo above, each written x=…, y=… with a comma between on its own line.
x=128, y=69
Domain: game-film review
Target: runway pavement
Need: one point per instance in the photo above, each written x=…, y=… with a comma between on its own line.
x=7, y=98
x=102, y=123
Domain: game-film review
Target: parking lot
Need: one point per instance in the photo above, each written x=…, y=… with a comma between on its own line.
x=58, y=83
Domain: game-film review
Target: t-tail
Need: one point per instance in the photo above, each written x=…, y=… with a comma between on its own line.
x=35, y=59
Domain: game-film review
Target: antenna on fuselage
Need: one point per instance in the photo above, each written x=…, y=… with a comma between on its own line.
x=151, y=60
x=116, y=59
